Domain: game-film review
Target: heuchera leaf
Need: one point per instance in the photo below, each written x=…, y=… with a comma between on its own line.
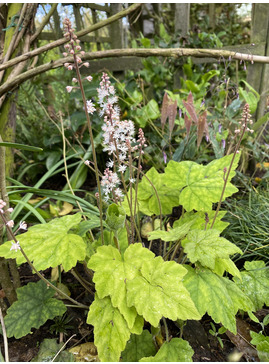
x=199, y=220
x=49, y=245
x=112, y=272
x=205, y=246
x=168, y=196
x=34, y=307
x=255, y=283
x=218, y=296
x=199, y=185
x=49, y=348
x=141, y=205
x=177, y=350
x=222, y=265
x=171, y=235
x=262, y=345
x=159, y=292
x=111, y=331
x=138, y=347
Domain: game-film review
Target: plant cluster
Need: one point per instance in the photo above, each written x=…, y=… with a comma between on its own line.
x=135, y=290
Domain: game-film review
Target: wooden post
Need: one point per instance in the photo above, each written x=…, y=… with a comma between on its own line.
x=182, y=23
x=182, y=18
x=257, y=75
x=116, y=34
x=116, y=27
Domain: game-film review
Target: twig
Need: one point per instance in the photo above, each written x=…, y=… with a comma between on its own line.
x=44, y=22
x=61, y=41
x=63, y=347
x=4, y=336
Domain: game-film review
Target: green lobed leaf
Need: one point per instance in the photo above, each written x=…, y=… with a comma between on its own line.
x=205, y=246
x=177, y=350
x=168, y=196
x=112, y=273
x=222, y=265
x=141, y=205
x=255, y=283
x=199, y=220
x=115, y=216
x=262, y=345
x=111, y=331
x=49, y=348
x=34, y=307
x=50, y=245
x=138, y=347
x=159, y=292
x=171, y=235
x=218, y=296
x=199, y=185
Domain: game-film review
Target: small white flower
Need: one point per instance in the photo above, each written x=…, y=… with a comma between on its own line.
x=10, y=223
x=15, y=246
x=118, y=192
x=89, y=78
x=132, y=180
x=122, y=168
x=110, y=163
x=23, y=225
x=69, y=88
x=87, y=163
x=90, y=107
x=10, y=209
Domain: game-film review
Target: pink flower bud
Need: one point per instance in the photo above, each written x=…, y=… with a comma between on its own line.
x=69, y=88
x=72, y=51
x=79, y=60
x=89, y=78
x=10, y=209
x=66, y=64
x=78, y=48
x=74, y=79
x=82, y=53
x=70, y=67
x=10, y=223
x=86, y=64
x=65, y=54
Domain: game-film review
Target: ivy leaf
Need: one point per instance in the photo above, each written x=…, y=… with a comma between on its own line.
x=50, y=245
x=199, y=185
x=218, y=296
x=206, y=246
x=255, y=283
x=171, y=235
x=168, y=196
x=111, y=331
x=160, y=292
x=138, y=347
x=34, y=307
x=199, y=220
x=177, y=350
x=112, y=272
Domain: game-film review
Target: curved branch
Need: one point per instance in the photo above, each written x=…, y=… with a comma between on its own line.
x=142, y=52
x=61, y=41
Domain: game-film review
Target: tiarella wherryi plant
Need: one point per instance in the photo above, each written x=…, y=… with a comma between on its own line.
x=132, y=285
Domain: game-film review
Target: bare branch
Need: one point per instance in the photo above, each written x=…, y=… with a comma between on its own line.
x=141, y=52
x=44, y=22
x=61, y=41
